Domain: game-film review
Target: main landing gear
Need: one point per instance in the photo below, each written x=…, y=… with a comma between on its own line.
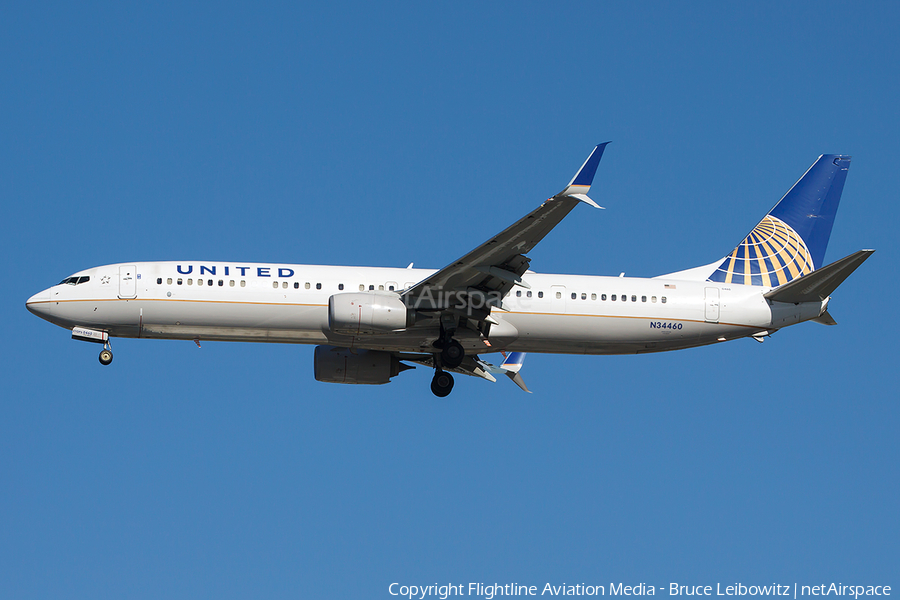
x=106, y=355
x=452, y=352
x=442, y=384
x=451, y=355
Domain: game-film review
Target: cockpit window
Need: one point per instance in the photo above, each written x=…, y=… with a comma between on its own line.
x=74, y=280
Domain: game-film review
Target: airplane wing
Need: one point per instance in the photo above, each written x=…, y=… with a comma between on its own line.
x=476, y=367
x=494, y=267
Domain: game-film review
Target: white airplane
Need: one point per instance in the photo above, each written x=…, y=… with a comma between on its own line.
x=368, y=322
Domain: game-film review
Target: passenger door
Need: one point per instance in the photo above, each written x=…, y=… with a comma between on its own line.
x=127, y=282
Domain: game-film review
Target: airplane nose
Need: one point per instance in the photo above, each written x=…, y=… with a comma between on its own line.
x=40, y=304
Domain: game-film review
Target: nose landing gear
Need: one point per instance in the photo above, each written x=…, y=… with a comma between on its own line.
x=106, y=355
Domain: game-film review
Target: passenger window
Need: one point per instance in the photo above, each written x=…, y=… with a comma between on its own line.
x=624, y=298
x=652, y=298
x=528, y=293
x=371, y=288
x=275, y=284
x=558, y=295
x=593, y=296
x=158, y=281
x=243, y=283
x=318, y=286
x=540, y=294
x=381, y=288
x=221, y=282
x=518, y=293
x=306, y=285
x=199, y=282
x=613, y=297
x=340, y=286
x=209, y=282
x=169, y=281
x=190, y=282
x=179, y=282
x=663, y=299
x=390, y=288
x=633, y=298
x=574, y=295
x=603, y=297
x=231, y=283
x=362, y=288
x=284, y=284
x=296, y=285
x=643, y=298
x=583, y=296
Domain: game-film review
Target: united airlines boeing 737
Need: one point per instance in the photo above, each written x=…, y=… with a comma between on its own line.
x=368, y=323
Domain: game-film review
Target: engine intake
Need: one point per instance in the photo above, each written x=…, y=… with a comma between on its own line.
x=367, y=313
x=367, y=367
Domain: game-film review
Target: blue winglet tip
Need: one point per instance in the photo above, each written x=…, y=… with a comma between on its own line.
x=585, y=175
x=514, y=358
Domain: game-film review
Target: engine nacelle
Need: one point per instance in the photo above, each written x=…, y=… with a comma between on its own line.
x=342, y=365
x=366, y=313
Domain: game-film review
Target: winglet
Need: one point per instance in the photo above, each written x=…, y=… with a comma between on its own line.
x=512, y=365
x=513, y=362
x=581, y=183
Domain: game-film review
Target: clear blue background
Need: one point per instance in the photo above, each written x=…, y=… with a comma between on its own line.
x=384, y=133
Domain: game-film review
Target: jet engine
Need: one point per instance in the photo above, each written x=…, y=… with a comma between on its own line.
x=366, y=313
x=342, y=365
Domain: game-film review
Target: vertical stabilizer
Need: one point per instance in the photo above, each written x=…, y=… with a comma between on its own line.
x=790, y=241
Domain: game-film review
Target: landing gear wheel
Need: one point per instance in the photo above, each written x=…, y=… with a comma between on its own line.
x=442, y=384
x=452, y=354
x=105, y=357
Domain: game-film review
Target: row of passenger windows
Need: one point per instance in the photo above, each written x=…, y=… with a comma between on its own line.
x=603, y=297
x=362, y=287
x=190, y=281
x=275, y=284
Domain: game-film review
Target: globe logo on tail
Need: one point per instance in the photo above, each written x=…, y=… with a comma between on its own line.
x=772, y=255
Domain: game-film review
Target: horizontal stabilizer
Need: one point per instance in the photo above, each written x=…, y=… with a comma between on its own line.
x=818, y=285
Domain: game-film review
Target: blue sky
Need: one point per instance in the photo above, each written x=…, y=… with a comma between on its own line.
x=362, y=133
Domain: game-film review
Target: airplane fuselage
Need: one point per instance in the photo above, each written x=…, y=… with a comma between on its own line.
x=572, y=314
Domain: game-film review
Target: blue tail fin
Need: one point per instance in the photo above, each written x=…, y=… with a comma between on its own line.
x=790, y=241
